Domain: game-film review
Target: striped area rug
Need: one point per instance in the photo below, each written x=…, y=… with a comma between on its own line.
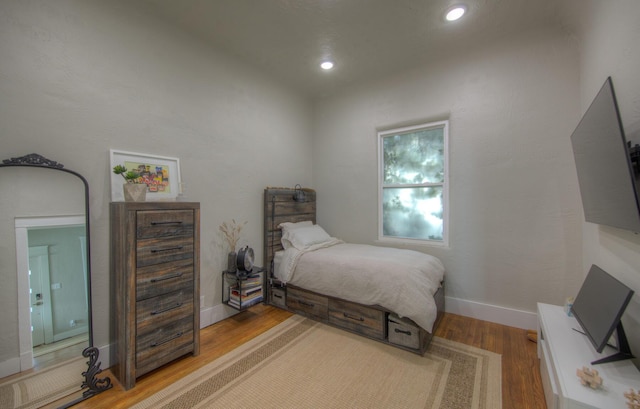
x=42, y=387
x=305, y=364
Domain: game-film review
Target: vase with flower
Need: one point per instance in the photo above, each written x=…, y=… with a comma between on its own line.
x=133, y=189
x=231, y=232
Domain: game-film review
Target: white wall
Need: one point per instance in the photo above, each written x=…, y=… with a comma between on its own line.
x=515, y=207
x=609, y=34
x=78, y=77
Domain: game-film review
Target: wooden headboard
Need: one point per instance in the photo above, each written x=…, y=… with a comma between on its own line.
x=280, y=207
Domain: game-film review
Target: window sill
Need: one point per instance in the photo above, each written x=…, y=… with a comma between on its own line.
x=411, y=243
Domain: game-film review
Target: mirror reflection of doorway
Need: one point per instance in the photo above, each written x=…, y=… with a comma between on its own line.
x=57, y=287
x=40, y=296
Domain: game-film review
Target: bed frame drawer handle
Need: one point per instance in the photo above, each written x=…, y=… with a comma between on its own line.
x=172, y=307
x=353, y=317
x=307, y=304
x=167, y=277
x=402, y=332
x=167, y=249
x=164, y=341
x=167, y=222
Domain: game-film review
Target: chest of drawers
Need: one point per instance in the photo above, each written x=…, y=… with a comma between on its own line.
x=155, y=263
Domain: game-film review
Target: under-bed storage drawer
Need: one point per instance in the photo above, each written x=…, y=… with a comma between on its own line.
x=404, y=332
x=307, y=303
x=278, y=297
x=358, y=318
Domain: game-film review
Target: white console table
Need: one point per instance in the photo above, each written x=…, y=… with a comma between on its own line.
x=562, y=351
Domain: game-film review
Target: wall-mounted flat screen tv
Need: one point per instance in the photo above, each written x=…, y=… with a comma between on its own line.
x=608, y=166
x=598, y=308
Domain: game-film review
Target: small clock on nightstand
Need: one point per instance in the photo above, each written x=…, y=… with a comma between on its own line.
x=244, y=261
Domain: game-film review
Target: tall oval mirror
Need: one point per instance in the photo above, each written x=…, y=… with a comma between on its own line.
x=45, y=268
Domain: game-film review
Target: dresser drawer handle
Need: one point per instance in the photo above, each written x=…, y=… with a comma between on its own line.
x=172, y=307
x=307, y=304
x=164, y=341
x=402, y=332
x=168, y=222
x=167, y=277
x=277, y=295
x=167, y=249
x=353, y=317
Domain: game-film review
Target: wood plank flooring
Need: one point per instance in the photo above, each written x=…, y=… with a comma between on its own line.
x=521, y=384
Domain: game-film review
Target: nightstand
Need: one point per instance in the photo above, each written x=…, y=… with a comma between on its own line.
x=244, y=291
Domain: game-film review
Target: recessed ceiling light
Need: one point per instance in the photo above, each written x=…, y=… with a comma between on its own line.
x=326, y=65
x=455, y=13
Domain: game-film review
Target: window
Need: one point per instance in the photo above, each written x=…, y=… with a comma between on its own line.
x=413, y=183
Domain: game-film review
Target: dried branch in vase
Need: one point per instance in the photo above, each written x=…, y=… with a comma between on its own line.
x=231, y=232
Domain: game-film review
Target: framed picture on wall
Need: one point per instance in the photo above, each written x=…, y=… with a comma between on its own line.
x=161, y=174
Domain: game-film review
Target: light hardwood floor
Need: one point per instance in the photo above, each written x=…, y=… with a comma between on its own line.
x=521, y=384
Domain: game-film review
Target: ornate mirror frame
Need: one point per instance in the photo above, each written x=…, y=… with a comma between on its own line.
x=91, y=384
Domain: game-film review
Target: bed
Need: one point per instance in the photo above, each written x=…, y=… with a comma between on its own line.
x=394, y=296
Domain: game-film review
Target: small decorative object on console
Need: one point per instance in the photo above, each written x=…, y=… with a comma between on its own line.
x=298, y=194
x=245, y=260
x=231, y=233
x=633, y=399
x=134, y=190
x=589, y=377
x=568, y=305
x=231, y=261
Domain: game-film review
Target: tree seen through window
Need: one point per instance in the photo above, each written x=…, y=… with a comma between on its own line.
x=413, y=182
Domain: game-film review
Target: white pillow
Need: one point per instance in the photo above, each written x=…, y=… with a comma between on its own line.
x=290, y=226
x=304, y=237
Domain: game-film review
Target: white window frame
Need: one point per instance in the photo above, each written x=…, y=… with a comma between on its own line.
x=445, y=185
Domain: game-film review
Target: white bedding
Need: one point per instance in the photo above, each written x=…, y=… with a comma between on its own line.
x=403, y=281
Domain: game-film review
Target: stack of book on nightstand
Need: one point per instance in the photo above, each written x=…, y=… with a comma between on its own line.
x=246, y=292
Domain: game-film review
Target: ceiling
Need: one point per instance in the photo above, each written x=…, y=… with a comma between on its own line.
x=367, y=39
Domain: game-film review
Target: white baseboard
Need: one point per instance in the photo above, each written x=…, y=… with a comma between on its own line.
x=211, y=315
x=107, y=356
x=492, y=313
x=79, y=330
x=9, y=367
